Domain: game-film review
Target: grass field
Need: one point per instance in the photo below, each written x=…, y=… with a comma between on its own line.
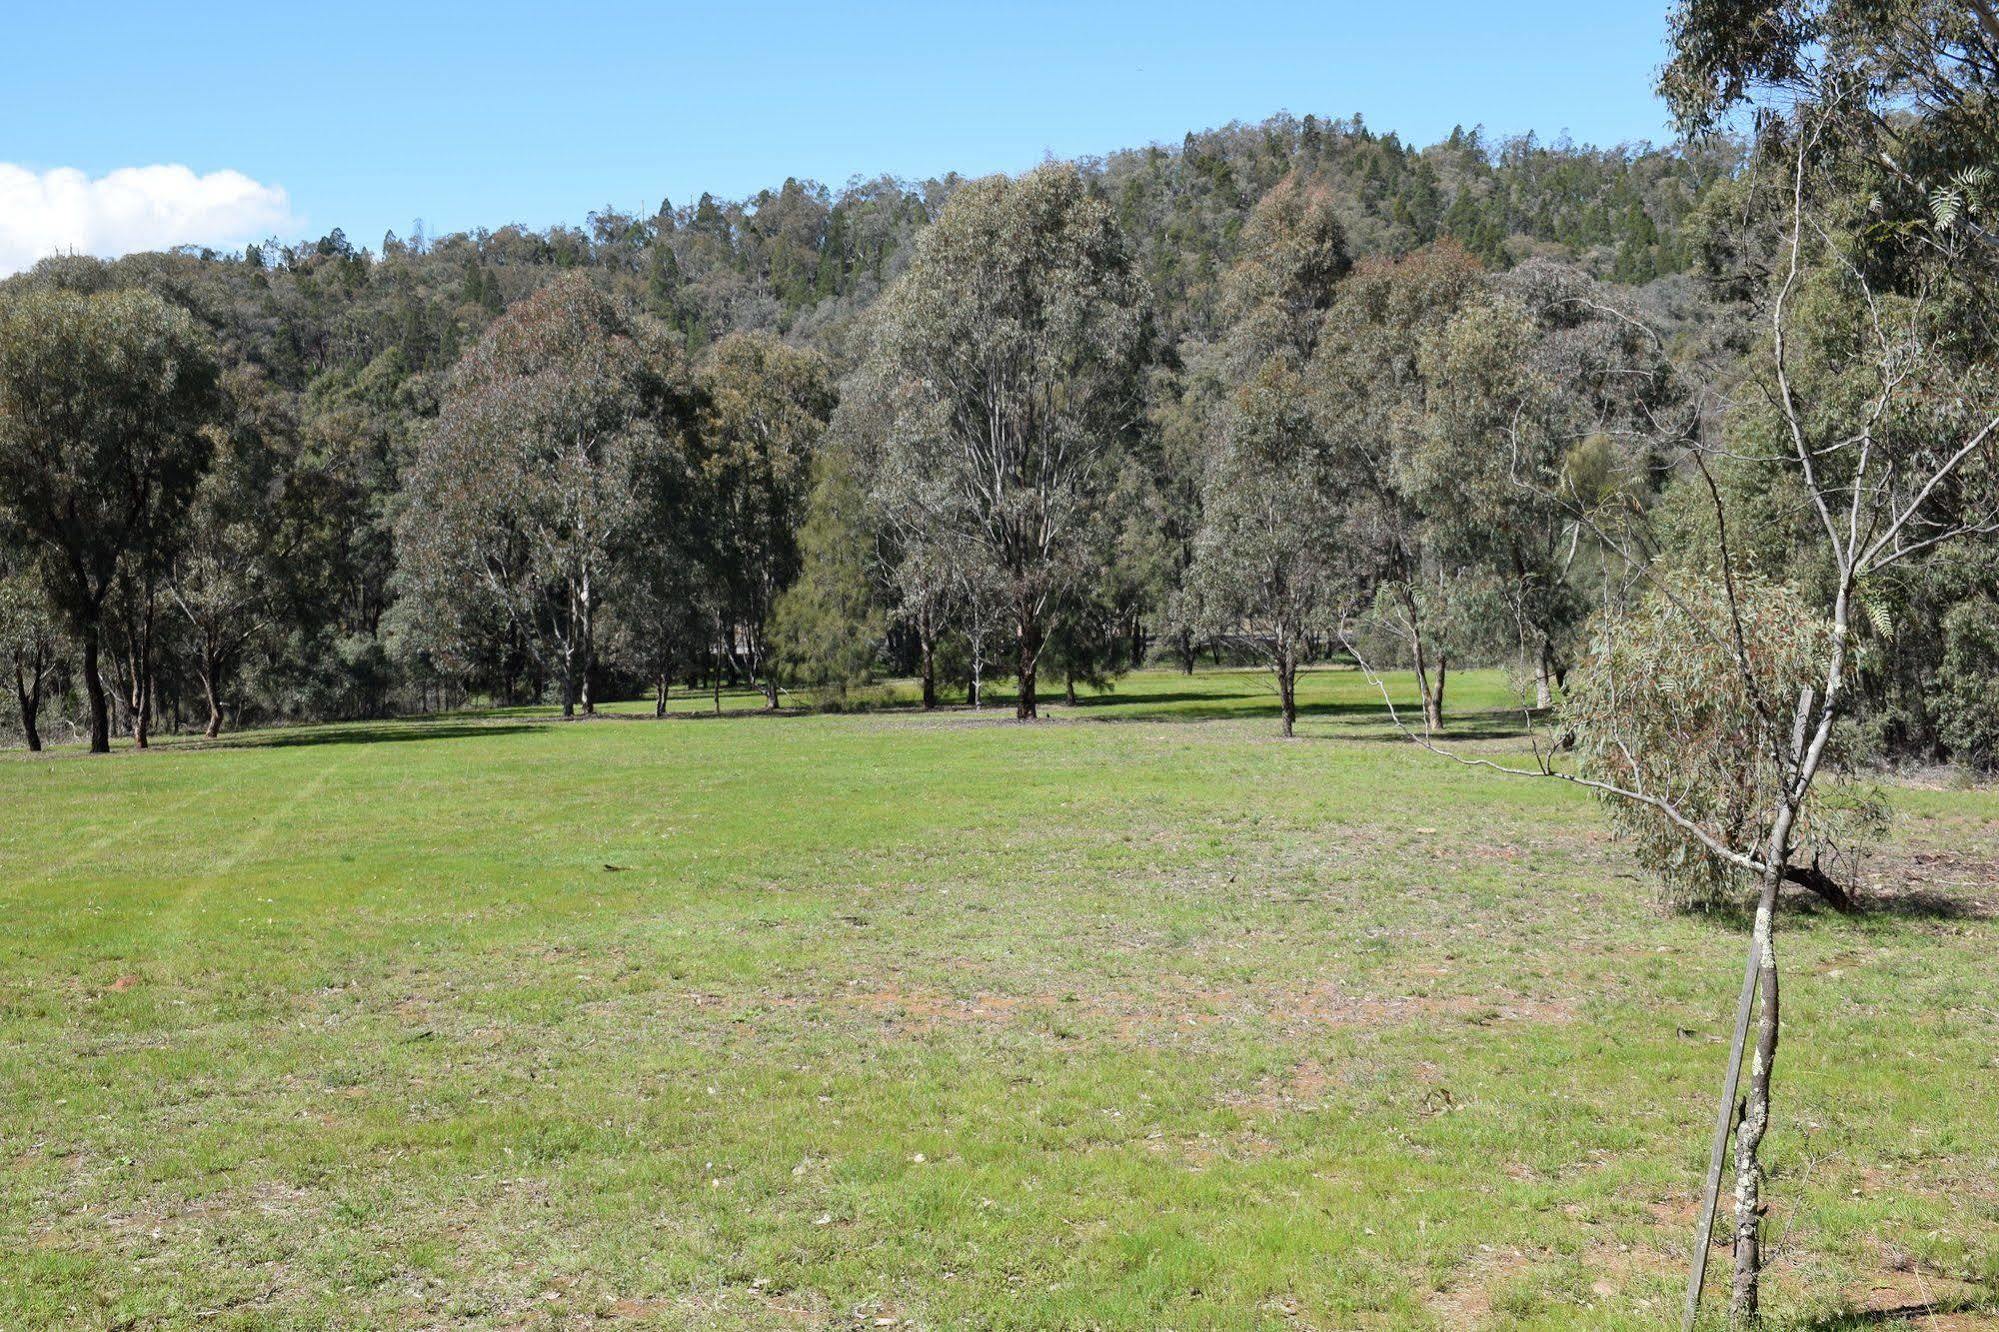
x=1136, y=1018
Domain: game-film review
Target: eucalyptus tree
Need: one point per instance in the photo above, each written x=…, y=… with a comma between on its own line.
x=1711, y=711
x=1597, y=405
x=524, y=488
x=248, y=523
x=1486, y=435
x=764, y=407
x=1874, y=273
x=1370, y=399
x=107, y=399
x=1269, y=564
x=1020, y=328
x=925, y=570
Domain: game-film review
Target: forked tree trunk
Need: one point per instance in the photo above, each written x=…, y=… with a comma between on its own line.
x=211, y=669
x=1186, y=648
x=660, y=686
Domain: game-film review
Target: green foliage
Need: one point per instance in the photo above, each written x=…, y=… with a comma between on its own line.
x=105, y=402
x=1968, y=702
x=1661, y=707
x=1012, y=351
x=765, y=406
x=522, y=492
x=829, y=625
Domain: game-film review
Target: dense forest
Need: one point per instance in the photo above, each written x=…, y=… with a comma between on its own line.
x=371, y=510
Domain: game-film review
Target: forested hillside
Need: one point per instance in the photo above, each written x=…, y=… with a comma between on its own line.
x=323, y=554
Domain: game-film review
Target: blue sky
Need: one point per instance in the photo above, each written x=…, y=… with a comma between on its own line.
x=368, y=115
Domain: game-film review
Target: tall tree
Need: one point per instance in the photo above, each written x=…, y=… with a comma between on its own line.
x=1021, y=321
x=106, y=400
x=1269, y=563
x=524, y=488
x=830, y=623
x=247, y=527
x=1371, y=398
x=764, y=408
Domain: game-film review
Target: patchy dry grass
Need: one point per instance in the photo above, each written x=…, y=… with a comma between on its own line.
x=885, y=1020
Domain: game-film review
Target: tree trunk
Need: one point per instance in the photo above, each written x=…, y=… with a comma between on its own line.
x=1287, y=689
x=1187, y=650
x=1755, y=1119
x=1433, y=697
x=1544, y=672
x=659, y=697
x=142, y=681
x=586, y=629
x=210, y=668
x=28, y=692
x=928, y=645
x=93, y=687
x=1027, y=634
x=1433, y=705
x=1069, y=689
x=583, y=674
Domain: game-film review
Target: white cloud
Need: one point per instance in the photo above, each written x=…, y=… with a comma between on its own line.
x=133, y=208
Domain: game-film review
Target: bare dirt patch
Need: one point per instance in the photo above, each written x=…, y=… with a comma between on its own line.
x=1467, y=1300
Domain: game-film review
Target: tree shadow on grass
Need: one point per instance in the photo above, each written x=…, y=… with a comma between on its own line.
x=1924, y=905
x=1197, y=705
x=1917, y=1313
x=1802, y=908
x=370, y=733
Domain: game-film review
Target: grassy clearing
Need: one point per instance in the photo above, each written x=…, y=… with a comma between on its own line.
x=821, y=1021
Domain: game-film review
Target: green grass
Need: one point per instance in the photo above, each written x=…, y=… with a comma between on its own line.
x=1138, y=1018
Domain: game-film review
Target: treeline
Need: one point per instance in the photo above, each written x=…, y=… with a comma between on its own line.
x=1271, y=393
